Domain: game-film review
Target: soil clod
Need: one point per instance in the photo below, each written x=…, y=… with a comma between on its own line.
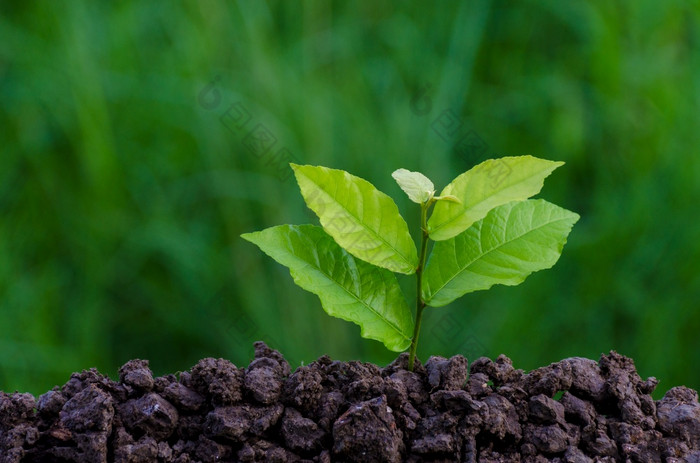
x=328, y=411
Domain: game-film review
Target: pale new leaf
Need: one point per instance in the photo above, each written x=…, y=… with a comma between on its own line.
x=417, y=186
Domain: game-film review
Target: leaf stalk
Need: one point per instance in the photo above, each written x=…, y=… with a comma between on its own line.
x=420, y=304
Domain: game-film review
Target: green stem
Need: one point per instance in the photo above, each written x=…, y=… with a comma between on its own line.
x=420, y=305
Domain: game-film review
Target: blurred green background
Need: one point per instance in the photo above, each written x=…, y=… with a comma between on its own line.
x=140, y=139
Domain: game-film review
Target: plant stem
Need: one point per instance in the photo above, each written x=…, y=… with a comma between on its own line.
x=420, y=305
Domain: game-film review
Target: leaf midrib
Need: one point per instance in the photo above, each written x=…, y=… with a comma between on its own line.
x=464, y=268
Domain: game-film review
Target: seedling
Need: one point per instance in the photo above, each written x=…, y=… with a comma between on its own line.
x=486, y=232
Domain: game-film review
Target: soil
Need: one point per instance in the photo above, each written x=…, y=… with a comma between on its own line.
x=575, y=411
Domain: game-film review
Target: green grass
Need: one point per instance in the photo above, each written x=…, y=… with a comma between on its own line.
x=122, y=197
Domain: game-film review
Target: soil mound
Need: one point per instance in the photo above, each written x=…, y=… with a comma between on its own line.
x=572, y=411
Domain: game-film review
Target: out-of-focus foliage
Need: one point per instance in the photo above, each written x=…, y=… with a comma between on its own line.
x=140, y=139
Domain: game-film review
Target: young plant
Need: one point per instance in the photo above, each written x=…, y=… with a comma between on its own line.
x=486, y=232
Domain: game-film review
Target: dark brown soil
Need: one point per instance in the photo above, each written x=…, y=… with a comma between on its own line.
x=351, y=411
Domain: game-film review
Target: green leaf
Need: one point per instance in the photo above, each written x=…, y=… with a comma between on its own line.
x=348, y=288
x=510, y=243
x=361, y=219
x=417, y=186
x=488, y=185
